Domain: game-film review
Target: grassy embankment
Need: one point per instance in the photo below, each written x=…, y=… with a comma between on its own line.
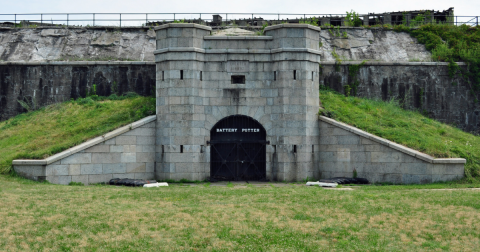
x=409, y=128
x=203, y=217
x=52, y=129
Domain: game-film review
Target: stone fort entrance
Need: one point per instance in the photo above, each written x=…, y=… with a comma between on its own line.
x=238, y=108
x=238, y=149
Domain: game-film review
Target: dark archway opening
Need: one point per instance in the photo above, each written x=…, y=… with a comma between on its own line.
x=238, y=150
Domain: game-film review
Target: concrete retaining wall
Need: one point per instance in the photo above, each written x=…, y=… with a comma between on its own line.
x=195, y=91
x=128, y=152
x=422, y=86
x=41, y=84
x=344, y=148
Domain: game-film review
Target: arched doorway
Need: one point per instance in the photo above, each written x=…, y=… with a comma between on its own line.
x=237, y=149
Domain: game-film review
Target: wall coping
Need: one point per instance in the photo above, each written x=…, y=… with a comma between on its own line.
x=238, y=37
x=393, y=63
x=393, y=145
x=85, y=145
x=76, y=63
x=187, y=49
x=279, y=26
x=245, y=51
x=183, y=25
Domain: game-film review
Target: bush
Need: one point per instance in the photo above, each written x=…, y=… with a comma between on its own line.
x=353, y=19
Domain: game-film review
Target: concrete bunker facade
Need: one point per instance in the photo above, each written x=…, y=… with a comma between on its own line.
x=238, y=108
x=202, y=79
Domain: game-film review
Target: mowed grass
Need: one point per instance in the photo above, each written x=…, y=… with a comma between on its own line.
x=292, y=217
x=52, y=129
x=409, y=128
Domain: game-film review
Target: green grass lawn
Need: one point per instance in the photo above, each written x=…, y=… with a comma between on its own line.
x=205, y=217
x=409, y=128
x=52, y=129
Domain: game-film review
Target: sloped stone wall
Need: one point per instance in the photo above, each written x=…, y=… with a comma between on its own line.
x=41, y=84
x=128, y=155
x=344, y=149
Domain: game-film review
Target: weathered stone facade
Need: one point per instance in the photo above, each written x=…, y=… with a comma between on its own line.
x=90, y=43
x=375, y=44
x=42, y=84
x=195, y=90
x=422, y=86
x=128, y=152
x=45, y=44
x=344, y=148
x=269, y=81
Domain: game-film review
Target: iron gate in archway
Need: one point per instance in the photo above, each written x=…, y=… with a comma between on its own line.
x=238, y=149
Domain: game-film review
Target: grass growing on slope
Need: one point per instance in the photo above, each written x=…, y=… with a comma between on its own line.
x=409, y=128
x=451, y=43
x=52, y=129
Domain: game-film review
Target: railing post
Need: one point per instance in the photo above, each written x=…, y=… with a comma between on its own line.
x=173, y=17
x=120, y=19
x=41, y=19
x=278, y=17
x=304, y=17
x=456, y=20
x=67, y=19
x=93, y=19
x=15, y=24
x=477, y=20
x=226, y=18
x=146, y=19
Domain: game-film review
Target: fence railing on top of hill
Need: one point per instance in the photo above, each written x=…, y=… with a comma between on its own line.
x=218, y=19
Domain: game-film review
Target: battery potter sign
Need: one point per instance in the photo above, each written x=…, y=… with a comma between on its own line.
x=235, y=130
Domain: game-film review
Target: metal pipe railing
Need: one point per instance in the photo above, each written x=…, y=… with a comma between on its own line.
x=137, y=18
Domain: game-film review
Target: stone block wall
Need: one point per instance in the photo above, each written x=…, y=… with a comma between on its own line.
x=195, y=91
x=423, y=86
x=344, y=148
x=128, y=152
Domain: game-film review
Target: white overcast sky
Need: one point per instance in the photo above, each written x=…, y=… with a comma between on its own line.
x=462, y=7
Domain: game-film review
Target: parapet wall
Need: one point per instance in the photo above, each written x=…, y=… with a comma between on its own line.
x=46, y=44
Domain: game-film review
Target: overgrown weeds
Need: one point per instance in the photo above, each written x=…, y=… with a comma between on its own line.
x=450, y=43
x=353, y=19
x=311, y=21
